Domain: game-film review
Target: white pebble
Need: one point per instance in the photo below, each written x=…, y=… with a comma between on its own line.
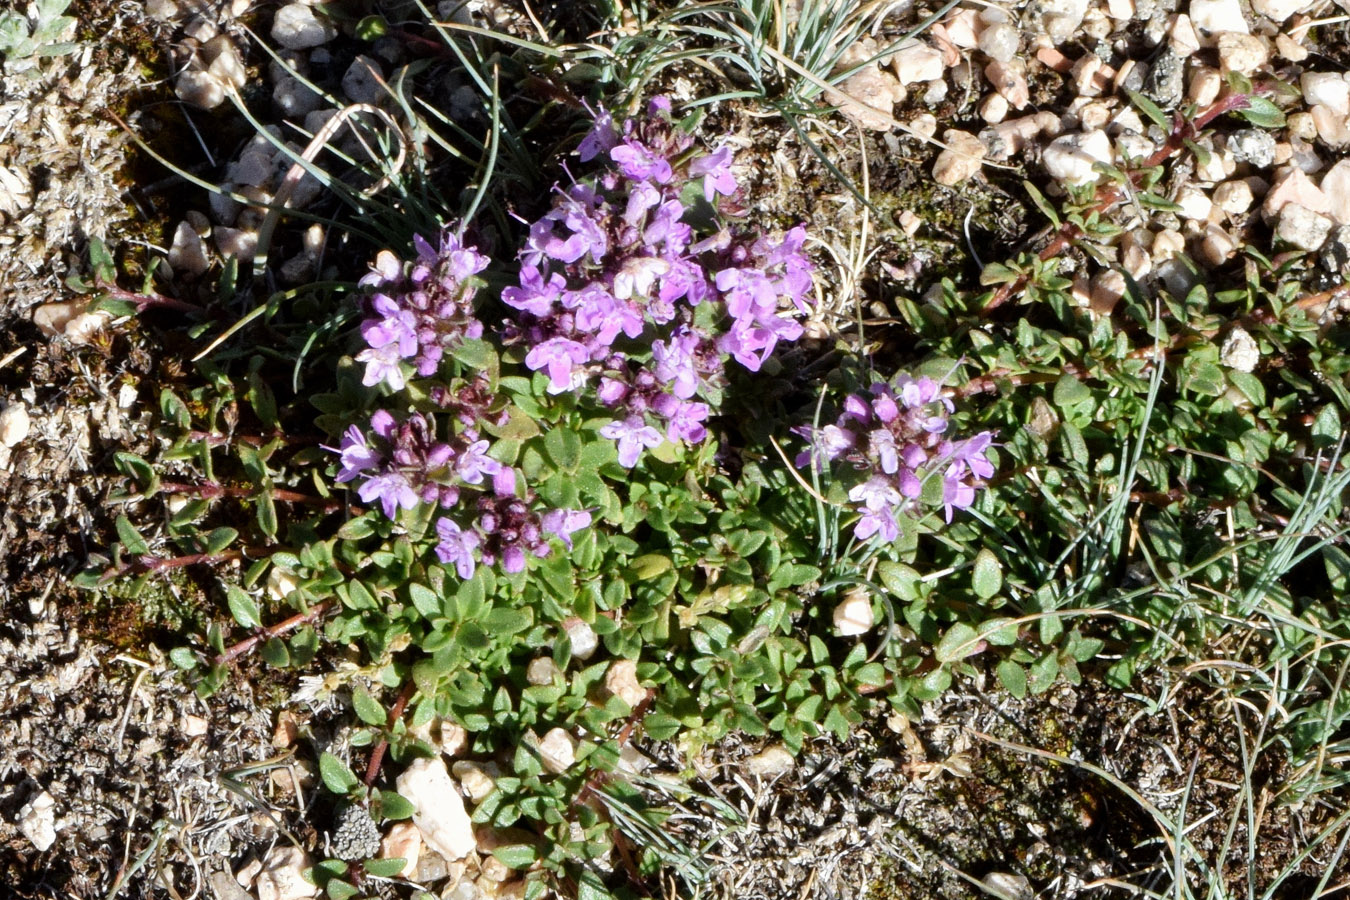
x=438, y=808
x=1302, y=227
x=916, y=62
x=1233, y=197
x=1211, y=17
x=853, y=616
x=37, y=818
x=1194, y=204
x=1240, y=350
x=296, y=27
x=1071, y=158
x=1000, y=42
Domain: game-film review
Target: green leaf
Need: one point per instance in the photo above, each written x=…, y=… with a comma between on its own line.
x=275, y=653
x=340, y=890
x=131, y=538
x=516, y=856
x=384, y=868
x=336, y=776
x=987, y=578
x=1041, y=203
x=368, y=709
x=395, y=806
x=220, y=538
x=650, y=566
x=1150, y=109
x=1070, y=392
x=184, y=658
x=242, y=607
x=959, y=642
x=1262, y=113
x=900, y=580
x=1013, y=678
x=1326, y=427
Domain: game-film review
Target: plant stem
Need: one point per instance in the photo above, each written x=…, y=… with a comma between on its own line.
x=395, y=713
x=266, y=634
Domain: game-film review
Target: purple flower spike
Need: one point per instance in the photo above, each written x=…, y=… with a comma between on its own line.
x=392, y=490
x=456, y=546
x=633, y=435
x=715, y=168
x=563, y=523
x=473, y=463
x=357, y=456
x=560, y=357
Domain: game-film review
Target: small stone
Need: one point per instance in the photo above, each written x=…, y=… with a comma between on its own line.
x=1071, y=158
x=163, y=10
x=868, y=97
x=1061, y=18
x=14, y=427
x=1194, y=204
x=1108, y=286
x=916, y=61
x=194, y=726
x=1135, y=258
x=558, y=750
x=474, y=779
x=280, y=583
x=198, y=87
x=994, y=108
x=1302, y=126
x=1241, y=52
x=1278, y=10
x=621, y=681
x=1166, y=79
x=37, y=817
x=542, y=671
x=438, y=808
x=935, y=92
x=223, y=62
x=293, y=98
x=582, y=638
x=1302, y=227
x=771, y=762
x=1335, y=256
x=1181, y=36
x=1240, y=350
x=964, y=28
x=1254, y=146
x=1233, y=197
x=1167, y=244
x=236, y=243
x=1094, y=116
x=1332, y=127
x=1204, y=87
x=961, y=159
x=1085, y=73
x=1336, y=190
x=1120, y=10
x=1212, y=17
x=248, y=873
x=287, y=731
x=200, y=29
x=1290, y=49
x=853, y=615
x=282, y=875
x=187, y=254
x=1005, y=886
x=296, y=27
x=364, y=81
x=1326, y=89
x=1010, y=80
x=1000, y=42
x=1292, y=185
x=1216, y=246
x=403, y=841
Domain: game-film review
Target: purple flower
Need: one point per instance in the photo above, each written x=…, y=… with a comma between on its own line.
x=716, y=171
x=559, y=357
x=473, y=463
x=504, y=482
x=391, y=489
x=535, y=295
x=382, y=365
x=880, y=502
x=638, y=162
x=357, y=456
x=685, y=418
x=633, y=435
x=564, y=522
x=675, y=363
x=601, y=138
x=456, y=546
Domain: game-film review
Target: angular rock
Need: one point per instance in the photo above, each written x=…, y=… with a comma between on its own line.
x=1332, y=127
x=1335, y=189
x=438, y=808
x=853, y=615
x=772, y=761
x=1010, y=80
x=1211, y=17
x=1278, y=10
x=1233, y=197
x=1059, y=18
x=1240, y=52
x=37, y=817
x=960, y=160
x=916, y=61
x=1181, y=36
x=474, y=778
x=1293, y=186
x=1000, y=42
x=1302, y=227
x=621, y=681
x=1326, y=89
x=403, y=841
x=1166, y=79
x=868, y=97
x=1194, y=204
x=558, y=750
x=1071, y=158
x=187, y=254
x=1253, y=145
x=297, y=27
x=1239, y=350
x=363, y=81
x=281, y=876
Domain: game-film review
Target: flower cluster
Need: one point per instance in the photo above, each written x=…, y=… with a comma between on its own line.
x=895, y=438
x=617, y=292
x=420, y=309
x=403, y=464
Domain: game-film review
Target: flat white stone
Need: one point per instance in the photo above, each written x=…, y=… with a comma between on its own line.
x=1070, y=158
x=1327, y=89
x=853, y=615
x=1213, y=16
x=282, y=875
x=1302, y=227
x=438, y=808
x=37, y=817
x=296, y=27
x=916, y=62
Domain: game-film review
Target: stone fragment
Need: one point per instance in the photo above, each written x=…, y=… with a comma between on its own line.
x=960, y=160
x=1010, y=80
x=1278, y=10
x=1332, y=127
x=1194, y=204
x=558, y=750
x=37, y=817
x=582, y=638
x=853, y=615
x=1326, y=89
x=403, y=841
x=1006, y=886
x=1239, y=350
x=1241, y=52
x=1166, y=79
x=994, y=108
x=1290, y=49
x=542, y=671
x=1204, y=87
x=297, y=27
x=1302, y=227
x=1302, y=126
x=187, y=253
x=1212, y=17
x=1292, y=185
x=194, y=726
x=1254, y=146
x=1000, y=42
x=964, y=28
x=1071, y=158
x=1087, y=78
x=223, y=61
x=293, y=99
x=1216, y=246
x=1335, y=255
x=1120, y=10
x=363, y=81
x=1181, y=36
x=281, y=877
x=438, y=808
x=237, y=243
x=1335, y=189
x=1108, y=286
x=621, y=681
x=1233, y=197
x=772, y=761
x=474, y=779
x=924, y=125
x=867, y=97
x=916, y=61
x=1060, y=18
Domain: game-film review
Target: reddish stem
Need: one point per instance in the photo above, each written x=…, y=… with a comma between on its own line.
x=395, y=713
x=143, y=301
x=266, y=634
x=212, y=490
